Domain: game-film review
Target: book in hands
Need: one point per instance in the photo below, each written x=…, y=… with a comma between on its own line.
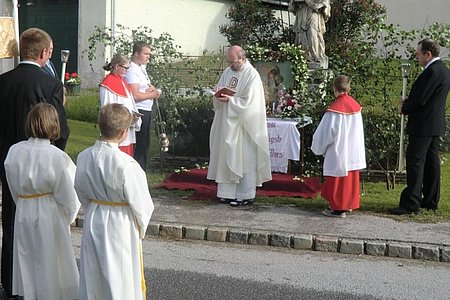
x=224, y=91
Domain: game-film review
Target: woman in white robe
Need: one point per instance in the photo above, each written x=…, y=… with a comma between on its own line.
x=40, y=177
x=113, y=190
x=114, y=89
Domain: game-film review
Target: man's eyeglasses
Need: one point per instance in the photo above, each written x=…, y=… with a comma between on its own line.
x=126, y=68
x=234, y=61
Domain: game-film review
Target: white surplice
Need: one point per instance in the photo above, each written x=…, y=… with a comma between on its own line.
x=111, y=254
x=40, y=177
x=109, y=96
x=243, y=116
x=340, y=138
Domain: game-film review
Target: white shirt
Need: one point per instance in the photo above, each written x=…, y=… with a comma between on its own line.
x=138, y=74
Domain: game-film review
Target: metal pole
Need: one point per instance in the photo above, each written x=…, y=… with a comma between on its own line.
x=63, y=72
x=402, y=121
x=64, y=59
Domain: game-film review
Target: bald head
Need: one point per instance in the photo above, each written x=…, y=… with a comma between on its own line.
x=236, y=57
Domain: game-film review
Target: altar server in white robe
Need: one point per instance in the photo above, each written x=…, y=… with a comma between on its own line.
x=340, y=138
x=239, y=143
x=40, y=177
x=113, y=191
x=114, y=89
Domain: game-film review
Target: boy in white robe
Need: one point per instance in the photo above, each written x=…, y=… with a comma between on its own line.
x=113, y=190
x=40, y=177
x=340, y=138
x=239, y=143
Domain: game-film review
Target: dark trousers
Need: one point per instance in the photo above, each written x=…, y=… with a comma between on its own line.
x=143, y=139
x=8, y=213
x=423, y=174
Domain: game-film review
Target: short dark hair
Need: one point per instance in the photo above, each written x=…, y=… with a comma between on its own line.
x=430, y=45
x=112, y=119
x=43, y=122
x=138, y=46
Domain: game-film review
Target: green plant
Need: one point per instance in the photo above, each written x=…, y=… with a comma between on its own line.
x=84, y=107
x=252, y=23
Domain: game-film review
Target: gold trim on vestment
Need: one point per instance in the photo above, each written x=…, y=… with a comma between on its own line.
x=109, y=203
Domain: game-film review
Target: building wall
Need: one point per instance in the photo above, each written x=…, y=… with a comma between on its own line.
x=193, y=24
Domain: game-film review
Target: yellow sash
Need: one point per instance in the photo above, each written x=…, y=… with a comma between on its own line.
x=108, y=203
x=34, y=195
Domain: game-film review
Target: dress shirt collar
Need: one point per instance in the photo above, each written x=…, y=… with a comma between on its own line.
x=29, y=62
x=432, y=61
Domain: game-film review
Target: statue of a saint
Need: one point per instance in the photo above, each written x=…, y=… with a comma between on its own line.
x=309, y=27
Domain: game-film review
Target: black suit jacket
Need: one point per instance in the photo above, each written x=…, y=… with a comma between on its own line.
x=425, y=105
x=21, y=89
x=50, y=69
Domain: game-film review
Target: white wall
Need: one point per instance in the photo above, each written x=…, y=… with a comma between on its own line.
x=193, y=24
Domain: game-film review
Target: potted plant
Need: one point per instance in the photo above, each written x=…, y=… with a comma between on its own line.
x=72, y=82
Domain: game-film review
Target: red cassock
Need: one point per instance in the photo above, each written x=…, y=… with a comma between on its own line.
x=340, y=139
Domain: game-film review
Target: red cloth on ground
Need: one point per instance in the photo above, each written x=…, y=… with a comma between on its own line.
x=342, y=193
x=280, y=185
x=127, y=149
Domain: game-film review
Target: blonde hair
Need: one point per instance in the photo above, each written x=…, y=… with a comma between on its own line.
x=32, y=42
x=43, y=122
x=113, y=119
x=118, y=59
x=342, y=84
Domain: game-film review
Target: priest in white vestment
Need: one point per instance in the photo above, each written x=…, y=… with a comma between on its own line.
x=340, y=138
x=239, y=146
x=40, y=177
x=113, y=190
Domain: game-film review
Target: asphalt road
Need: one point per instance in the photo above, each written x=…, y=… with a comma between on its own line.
x=208, y=270
x=205, y=270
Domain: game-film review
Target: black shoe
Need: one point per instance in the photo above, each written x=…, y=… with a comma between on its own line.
x=399, y=211
x=239, y=202
x=334, y=213
x=10, y=297
x=225, y=200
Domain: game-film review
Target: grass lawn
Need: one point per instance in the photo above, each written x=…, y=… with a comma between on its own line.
x=375, y=198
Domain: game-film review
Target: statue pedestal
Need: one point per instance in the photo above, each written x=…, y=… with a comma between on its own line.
x=319, y=79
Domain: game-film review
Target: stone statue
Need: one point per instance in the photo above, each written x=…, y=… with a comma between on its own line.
x=309, y=28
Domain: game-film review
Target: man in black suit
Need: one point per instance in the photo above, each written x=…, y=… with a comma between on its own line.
x=21, y=89
x=49, y=67
x=425, y=108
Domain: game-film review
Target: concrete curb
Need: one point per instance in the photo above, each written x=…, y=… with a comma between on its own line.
x=312, y=242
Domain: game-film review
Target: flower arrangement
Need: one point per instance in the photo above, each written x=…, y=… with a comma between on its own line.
x=72, y=78
x=288, y=106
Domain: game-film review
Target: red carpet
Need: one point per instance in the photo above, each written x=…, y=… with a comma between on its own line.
x=280, y=185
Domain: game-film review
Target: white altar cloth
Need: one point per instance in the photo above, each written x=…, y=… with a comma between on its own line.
x=284, y=143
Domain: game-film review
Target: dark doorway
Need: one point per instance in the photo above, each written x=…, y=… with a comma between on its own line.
x=60, y=19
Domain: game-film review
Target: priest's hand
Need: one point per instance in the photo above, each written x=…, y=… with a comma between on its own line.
x=224, y=98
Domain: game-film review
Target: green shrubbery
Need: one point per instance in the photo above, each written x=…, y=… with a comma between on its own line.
x=359, y=44
x=84, y=107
